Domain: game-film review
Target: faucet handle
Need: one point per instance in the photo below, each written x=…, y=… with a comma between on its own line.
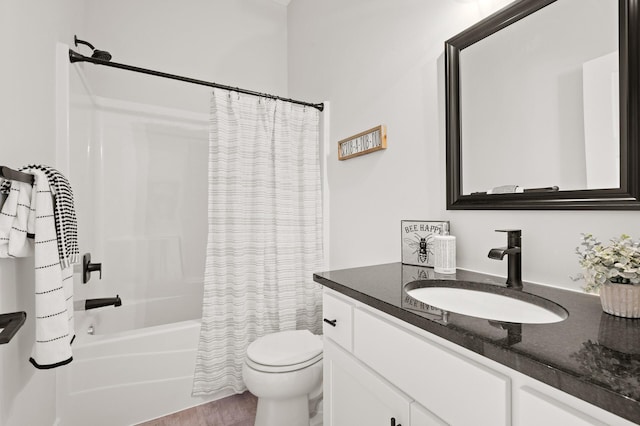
x=514, y=237
x=88, y=268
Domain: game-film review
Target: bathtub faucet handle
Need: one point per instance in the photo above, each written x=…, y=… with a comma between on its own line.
x=88, y=268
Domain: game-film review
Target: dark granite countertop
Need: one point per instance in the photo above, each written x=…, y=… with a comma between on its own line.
x=591, y=355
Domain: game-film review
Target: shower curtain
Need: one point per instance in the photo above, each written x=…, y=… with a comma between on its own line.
x=265, y=231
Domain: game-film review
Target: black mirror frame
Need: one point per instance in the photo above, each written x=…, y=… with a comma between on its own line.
x=627, y=197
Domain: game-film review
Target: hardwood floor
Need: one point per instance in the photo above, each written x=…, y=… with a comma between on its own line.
x=235, y=410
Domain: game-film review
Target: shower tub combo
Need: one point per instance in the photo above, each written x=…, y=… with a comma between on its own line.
x=132, y=363
x=139, y=179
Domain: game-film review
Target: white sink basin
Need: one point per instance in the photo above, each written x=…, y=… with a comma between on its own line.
x=490, y=305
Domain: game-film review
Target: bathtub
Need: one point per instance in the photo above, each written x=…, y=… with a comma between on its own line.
x=137, y=365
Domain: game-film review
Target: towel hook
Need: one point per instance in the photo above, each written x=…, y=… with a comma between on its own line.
x=10, y=174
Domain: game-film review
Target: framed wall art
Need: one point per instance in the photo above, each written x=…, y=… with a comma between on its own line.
x=363, y=143
x=417, y=240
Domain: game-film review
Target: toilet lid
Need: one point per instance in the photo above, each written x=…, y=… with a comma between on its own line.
x=285, y=348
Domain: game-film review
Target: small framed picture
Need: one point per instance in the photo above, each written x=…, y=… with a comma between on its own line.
x=417, y=240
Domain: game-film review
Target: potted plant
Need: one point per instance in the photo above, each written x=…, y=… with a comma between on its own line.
x=613, y=271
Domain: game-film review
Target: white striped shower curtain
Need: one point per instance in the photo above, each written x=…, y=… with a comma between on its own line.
x=265, y=231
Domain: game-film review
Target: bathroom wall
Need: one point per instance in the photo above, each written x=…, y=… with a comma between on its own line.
x=381, y=62
x=240, y=43
x=29, y=31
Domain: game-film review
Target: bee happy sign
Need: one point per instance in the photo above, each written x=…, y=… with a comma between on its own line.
x=417, y=241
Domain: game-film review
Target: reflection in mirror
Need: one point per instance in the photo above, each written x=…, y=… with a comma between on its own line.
x=544, y=94
x=538, y=101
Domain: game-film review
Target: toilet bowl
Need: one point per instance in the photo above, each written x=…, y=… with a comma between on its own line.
x=282, y=369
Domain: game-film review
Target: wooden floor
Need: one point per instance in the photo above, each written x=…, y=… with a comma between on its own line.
x=235, y=410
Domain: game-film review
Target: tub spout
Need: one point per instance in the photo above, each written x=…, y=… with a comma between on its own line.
x=99, y=303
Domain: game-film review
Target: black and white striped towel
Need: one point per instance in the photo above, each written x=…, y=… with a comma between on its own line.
x=13, y=222
x=66, y=224
x=53, y=281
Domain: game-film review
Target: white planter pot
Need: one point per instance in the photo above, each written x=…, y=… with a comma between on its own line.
x=622, y=300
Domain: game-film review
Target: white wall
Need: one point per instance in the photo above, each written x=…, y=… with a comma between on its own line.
x=29, y=30
x=381, y=61
x=239, y=43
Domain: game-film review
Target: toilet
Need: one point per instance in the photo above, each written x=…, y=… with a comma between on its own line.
x=283, y=370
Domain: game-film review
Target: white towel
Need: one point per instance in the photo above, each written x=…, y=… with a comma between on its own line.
x=29, y=211
x=63, y=210
x=13, y=222
x=54, y=284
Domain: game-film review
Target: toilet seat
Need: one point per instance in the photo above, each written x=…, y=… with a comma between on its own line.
x=284, y=351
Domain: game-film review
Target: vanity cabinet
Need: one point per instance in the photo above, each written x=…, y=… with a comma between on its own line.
x=377, y=367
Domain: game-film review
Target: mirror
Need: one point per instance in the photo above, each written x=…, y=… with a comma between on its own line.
x=542, y=107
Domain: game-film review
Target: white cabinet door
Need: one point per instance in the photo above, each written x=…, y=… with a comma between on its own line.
x=355, y=395
x=535, y=408
x=456, y=389
x=420, y=416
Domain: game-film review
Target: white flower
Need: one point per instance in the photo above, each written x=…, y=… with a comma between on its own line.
x=617, y=262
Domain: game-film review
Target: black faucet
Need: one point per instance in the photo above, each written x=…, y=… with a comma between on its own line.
x=99, y=303
x=514, y=261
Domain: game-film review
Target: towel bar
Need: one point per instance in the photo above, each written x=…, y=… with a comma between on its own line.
x=10, y=324
x=11, y=174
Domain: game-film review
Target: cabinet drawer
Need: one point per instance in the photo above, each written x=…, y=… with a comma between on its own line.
x=457, y=390
x=337, y=320
x=536, y=408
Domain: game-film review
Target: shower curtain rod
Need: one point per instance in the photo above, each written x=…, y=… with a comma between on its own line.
x=77, y=57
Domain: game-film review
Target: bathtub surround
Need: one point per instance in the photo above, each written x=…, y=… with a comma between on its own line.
x=142, y=354
x=265, y=231
x=142, y=362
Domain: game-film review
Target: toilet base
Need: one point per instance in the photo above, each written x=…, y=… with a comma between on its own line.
x=290, y=412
